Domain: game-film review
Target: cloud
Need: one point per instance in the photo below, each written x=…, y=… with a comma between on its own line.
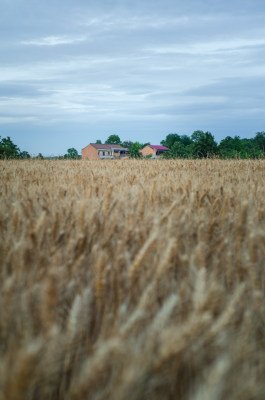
x=112, y=22
x=16, y=120
x=209, y=47
x=53, y=41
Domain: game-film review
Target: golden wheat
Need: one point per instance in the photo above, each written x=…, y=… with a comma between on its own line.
x=131, y=280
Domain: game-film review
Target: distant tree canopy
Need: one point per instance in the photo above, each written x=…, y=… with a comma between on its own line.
x=127, y=144
x=113, y=139
x=135, y=150
x=199, y=145
x=72, y=153
x=8, y=149
x=202, y=145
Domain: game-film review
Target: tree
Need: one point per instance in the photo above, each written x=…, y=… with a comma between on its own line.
x=113, y=139
x=98, y=141
x=72, y=153
x=135, y=150
x=260, y=140
x=170, y=140
x=204, y=144
x=24, y=155
x=196, y=135
x=8, y=149
x=230, y=147
x=127, y=144
x=179, y=150
x=250, y=149
x=186, y=140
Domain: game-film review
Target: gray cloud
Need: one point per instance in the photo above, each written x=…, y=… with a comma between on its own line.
x=53, y=41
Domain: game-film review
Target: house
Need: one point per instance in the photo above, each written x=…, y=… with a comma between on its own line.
x=153, y=150
x=119, y=151
x=95, y=151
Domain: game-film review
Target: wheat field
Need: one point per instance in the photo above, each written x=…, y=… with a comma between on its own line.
x=132, y=280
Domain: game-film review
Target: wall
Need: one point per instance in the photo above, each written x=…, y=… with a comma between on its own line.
x=90, y=153
x=147, y=150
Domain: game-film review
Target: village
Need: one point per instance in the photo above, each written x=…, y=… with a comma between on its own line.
x=96, y=151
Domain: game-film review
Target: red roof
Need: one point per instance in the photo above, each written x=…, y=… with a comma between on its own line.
x=158, y=147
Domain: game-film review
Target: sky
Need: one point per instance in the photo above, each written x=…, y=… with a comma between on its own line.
x=75, y=71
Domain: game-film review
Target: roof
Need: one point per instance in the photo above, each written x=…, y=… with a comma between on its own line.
x=101, y=146
x=116, y=146
x=158, y=147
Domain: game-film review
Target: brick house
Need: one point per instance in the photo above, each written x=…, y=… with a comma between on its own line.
x=95, y=151
x=153, y=150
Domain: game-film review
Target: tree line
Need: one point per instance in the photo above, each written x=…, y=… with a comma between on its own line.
x=9, y=150
x=199, y=145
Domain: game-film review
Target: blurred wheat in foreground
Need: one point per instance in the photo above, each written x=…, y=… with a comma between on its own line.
x=131, y=280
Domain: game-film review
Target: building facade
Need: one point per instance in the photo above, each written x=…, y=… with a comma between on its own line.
x=155, y=151
x=95, y=151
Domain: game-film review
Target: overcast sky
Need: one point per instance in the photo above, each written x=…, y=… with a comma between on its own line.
x=75, y=71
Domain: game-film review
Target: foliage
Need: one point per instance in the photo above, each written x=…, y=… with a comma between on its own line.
x=25, y=155
x=204, y=145
x=135, y=150
x=8, y=149
x=260, y=140
x=185, y=140
x=127, y=144
x=170, y=140
x=132, y=280
x=98, y=141
x=179, y=150
x=72, y=153
x=113, y=139
x=241, y=148
x=179, y=146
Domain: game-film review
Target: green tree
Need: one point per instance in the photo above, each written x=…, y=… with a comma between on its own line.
x=127, y=144
x=204, y=144
x=179, y=150
x=113, y=139
x=230, y=147
x=98, y=141
x=250, y=149
x=135, y=150
x=242, y=148
x=260, y=140
x=24, y=155
x=170, y=140
x=8, y=149
x=186, y=140
x=196, y=135
x=72, y=153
